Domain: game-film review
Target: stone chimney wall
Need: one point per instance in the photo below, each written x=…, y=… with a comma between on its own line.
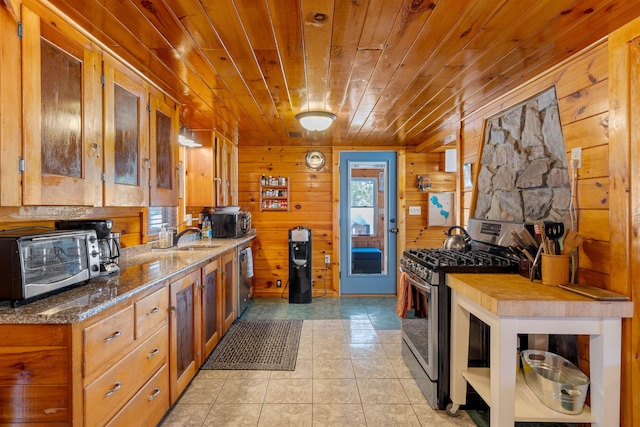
x=524, y=173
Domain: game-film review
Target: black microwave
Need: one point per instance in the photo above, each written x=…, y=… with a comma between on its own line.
x=35, y=262
x=230, y=225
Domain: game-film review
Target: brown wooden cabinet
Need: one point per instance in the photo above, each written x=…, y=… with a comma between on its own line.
x=200, y=172
x=124, y=351
x=62, y=118
x=163, y=140
x=126, y=137
x=35, y=385
x=226, y=172
x=229, y=289
x=211, y=307
x=185, y=325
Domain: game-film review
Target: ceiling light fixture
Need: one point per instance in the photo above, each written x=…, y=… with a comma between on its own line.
x=186, y=138
x=316, y=120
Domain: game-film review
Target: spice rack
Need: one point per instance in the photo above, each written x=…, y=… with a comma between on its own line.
x=274, y=193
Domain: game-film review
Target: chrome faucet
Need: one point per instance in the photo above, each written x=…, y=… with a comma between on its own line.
x=175, y=238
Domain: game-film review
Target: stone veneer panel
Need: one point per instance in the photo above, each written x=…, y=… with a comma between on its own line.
x=524, y=174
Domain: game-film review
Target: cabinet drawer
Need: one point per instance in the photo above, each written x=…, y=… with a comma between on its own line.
x=151, y=312
x=149, y=405
x=105, y=340
x=111, y=390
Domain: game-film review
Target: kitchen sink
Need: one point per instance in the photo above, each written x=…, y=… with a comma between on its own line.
x=187, y=248
x=196, y=248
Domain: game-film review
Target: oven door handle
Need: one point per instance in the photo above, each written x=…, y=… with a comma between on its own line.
x=426, y=287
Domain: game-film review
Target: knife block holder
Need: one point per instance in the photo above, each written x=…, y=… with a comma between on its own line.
x=555, y=269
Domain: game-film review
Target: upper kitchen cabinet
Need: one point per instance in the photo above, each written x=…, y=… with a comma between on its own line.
x=163, y=136
x=126, y=137
x=11, y=112
x=62, y=118
x=226, y=172
x=199, y=168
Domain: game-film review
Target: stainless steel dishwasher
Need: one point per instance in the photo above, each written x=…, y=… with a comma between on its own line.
x=245, y=273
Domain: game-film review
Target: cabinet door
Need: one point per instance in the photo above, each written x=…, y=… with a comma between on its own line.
x=10, y=110
x=199, y=165
x=62, y=114
x=126, y=142
x=211, y=297
x=185, y=332
x=163, y=137
x=229, y=291
x=227, y=172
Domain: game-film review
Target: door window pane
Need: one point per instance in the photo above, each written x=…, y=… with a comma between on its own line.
x=163, y=147
x=61, y=108
x=126, y=116
x=363, y=203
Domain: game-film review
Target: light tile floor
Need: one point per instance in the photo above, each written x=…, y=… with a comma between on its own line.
x=349, y=372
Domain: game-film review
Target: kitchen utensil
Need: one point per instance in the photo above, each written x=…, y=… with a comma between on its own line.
x=458, y=242
x=554, y=231
x=571, y=241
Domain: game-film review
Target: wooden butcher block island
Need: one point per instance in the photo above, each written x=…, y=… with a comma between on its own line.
x=512, y=305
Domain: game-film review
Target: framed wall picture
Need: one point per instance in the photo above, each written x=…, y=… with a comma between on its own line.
x=441, y=209
x=466, y=175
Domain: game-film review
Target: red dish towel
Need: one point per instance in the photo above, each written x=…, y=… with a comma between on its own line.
x=404, y=296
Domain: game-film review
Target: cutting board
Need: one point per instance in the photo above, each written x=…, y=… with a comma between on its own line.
x=594, y=292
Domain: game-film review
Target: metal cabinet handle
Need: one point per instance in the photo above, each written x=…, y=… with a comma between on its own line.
x=155, y=394
x=113, y=336
x=154, y=311
x=153, y=353
x=116, y=387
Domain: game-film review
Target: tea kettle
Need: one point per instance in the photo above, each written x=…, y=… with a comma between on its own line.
x=458, y=242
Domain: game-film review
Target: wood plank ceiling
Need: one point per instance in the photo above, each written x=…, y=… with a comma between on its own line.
x=394, y=71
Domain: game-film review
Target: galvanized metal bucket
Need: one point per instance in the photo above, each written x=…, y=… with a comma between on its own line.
x=558, y=383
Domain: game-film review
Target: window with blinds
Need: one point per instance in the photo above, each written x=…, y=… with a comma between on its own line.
x=159, y=215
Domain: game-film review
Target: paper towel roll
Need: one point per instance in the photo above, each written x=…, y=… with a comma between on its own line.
x=249, y=263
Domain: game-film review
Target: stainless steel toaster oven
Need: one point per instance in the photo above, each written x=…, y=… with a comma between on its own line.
x=35, y=262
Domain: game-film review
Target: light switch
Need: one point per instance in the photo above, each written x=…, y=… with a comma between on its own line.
x=415, y=210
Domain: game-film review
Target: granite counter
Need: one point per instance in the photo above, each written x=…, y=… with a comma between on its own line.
x=140, y=269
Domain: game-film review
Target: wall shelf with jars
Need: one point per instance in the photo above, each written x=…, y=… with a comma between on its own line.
x=274, y=193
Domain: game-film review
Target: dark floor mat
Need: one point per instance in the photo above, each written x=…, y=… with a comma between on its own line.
x=257, y=344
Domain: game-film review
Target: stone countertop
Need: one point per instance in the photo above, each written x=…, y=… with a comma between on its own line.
x=511, y=295
x=140, y=269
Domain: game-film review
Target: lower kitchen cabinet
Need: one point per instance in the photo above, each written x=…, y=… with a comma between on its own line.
x=229, y=289
x=185, y=324
x=125, y=365
x=35, y=384
x=211, y=313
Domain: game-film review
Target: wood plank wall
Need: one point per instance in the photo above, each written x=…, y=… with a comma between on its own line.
x=310, y=205
x=583, y=101
x=431, y=164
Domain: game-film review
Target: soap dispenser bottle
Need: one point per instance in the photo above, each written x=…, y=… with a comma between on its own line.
x=163, y=237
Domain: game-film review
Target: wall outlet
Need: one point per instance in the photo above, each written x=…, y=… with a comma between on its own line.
x=278, y=283
x=415, y=210
x=187, y=219
x=327, y=259
x=576, y=157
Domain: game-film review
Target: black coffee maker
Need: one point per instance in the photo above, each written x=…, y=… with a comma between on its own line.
x=108, y=242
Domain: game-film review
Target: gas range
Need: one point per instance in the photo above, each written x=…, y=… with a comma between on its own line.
x=426, y=327
x=427, y=264
x=489, y=253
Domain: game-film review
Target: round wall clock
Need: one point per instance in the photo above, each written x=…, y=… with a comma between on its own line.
x=315, y=159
